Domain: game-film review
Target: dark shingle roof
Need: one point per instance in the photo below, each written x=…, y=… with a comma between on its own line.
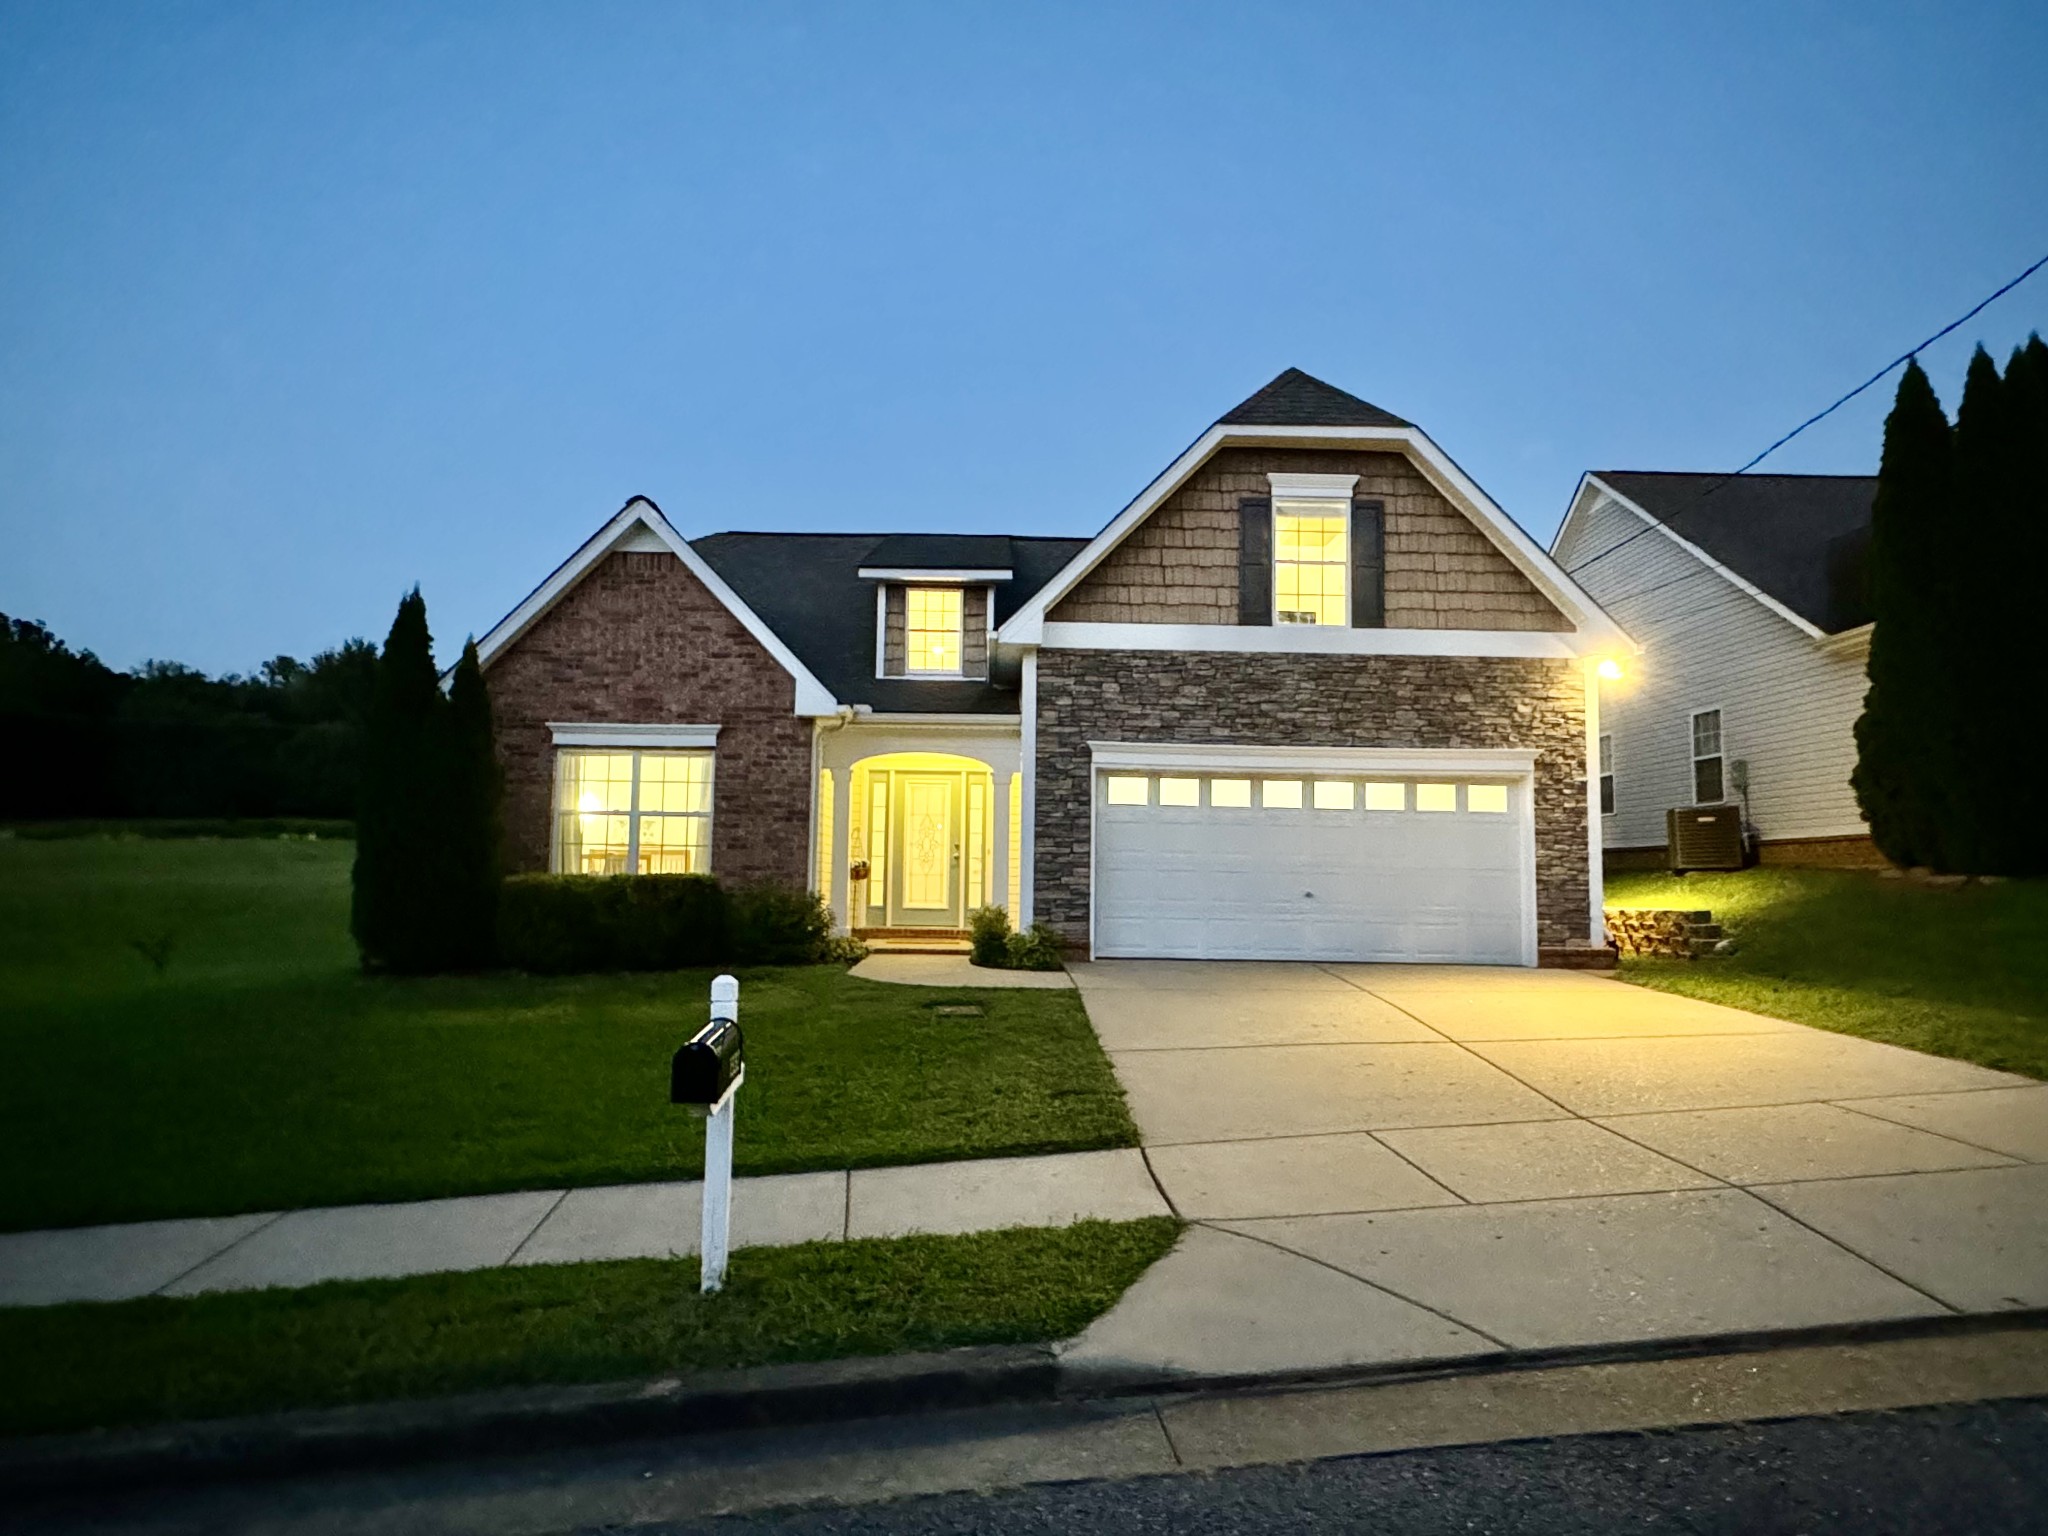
x=1801, y=538
x=942, y=551
x=805, y=588
x=1297, y=400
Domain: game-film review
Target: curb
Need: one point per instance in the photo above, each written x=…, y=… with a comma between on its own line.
x=757, y=1397
x=528, y=1419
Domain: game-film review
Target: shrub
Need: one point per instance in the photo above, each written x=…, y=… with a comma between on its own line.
x=562, y=924
x=1035, y=950
x=989, y=935
x=775, y=925
x=844, y=950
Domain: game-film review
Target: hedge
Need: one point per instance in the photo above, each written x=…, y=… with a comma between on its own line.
x=158, y=827
x=563, y=924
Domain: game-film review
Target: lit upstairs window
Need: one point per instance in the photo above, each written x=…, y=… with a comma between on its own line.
x=1311, y=562
x=932, y=629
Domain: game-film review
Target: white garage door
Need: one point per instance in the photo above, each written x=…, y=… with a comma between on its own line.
x=1215, y=866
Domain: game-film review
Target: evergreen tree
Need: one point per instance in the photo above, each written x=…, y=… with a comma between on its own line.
x=1903, y=740
x=1974, y=586
x=2025, y=705
x=402, y=826
x=476, y=795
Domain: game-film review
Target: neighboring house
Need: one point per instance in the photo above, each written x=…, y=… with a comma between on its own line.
x=1746, y=594
x=1310, y=695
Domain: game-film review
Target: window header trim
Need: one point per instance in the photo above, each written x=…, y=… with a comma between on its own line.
x=595, y=734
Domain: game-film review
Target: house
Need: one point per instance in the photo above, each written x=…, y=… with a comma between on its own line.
x=1746, y=594
x=1310, y=695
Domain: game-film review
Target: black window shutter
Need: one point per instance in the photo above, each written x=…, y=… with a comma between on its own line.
x=1368, y=565
x=1255, y=560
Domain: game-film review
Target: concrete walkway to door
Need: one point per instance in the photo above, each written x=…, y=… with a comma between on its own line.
x=1404, y=1163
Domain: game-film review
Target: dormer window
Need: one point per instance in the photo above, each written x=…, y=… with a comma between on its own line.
x=1312, y=548
x=933, y=631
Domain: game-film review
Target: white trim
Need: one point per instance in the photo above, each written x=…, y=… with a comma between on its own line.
x=573, y=733
x=1498, y=762
x=1027, y=842
x=812, y=697
x=1596, y=866
x=882, y=630
x=951, y=577
x=1806, y=627
x=1311, y=487
x=1594, y=627
x=1315, y=639
x=959, y=722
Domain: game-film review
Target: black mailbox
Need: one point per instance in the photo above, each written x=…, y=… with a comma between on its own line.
x=708, y=1064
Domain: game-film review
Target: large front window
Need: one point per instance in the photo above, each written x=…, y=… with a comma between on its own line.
x=932, y=629
x=1311, y=562
x=638, y=813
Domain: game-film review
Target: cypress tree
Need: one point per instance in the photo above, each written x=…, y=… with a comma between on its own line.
x=402, y=823
x=2025, y=706
x=1902, y=744
x=1975, y=585
x=475, y=827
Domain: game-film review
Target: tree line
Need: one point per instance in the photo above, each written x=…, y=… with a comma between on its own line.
x=166, y=740
x=1950, y=743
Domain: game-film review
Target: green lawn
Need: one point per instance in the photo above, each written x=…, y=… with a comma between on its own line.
x=260, y=1070
x=1958, y=971
x=92, y=1365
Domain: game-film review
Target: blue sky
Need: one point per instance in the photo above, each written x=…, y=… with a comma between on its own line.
x=301, y=304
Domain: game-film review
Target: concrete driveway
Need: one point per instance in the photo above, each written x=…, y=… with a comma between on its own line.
x=1391, y=1164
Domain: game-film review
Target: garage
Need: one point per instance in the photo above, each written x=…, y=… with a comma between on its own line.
x=1400, y=859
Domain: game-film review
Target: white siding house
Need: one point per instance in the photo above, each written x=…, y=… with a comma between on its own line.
x=1729, y=670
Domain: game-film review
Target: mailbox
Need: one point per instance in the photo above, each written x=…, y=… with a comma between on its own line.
x=707, y=1066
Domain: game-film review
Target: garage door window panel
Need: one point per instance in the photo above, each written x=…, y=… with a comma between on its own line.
x=1128, y=789
x=1436, y=797
x=1383, y=796
x=1335, y=795
x=1230, y=794
x=1180, y=791
x=1487, y=799
x=1280, y=794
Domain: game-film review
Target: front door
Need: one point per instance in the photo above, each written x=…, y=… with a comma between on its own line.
x=928, y=851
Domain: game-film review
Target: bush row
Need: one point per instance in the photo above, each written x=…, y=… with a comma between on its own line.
x=224, y=826
x=562, y=924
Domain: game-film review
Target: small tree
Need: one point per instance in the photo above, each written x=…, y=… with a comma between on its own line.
x=401, y=882
x=1903, y=740
x=476, y=794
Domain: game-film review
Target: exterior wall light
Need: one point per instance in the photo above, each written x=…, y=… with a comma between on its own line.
x=1609, y=670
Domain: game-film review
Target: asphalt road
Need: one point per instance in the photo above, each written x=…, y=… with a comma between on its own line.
x=1978, y=1470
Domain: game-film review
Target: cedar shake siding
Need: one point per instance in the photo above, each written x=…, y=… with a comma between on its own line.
x=640, y=641
x=1309, y=701
x=1180, y=566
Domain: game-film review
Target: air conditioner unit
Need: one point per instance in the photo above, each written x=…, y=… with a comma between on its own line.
x=1705, y=837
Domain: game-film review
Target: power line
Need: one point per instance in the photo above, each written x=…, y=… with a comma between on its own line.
x=1907, y=356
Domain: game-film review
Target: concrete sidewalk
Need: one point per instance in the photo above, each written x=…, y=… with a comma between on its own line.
x=1392, y=1164
x=556, y=1226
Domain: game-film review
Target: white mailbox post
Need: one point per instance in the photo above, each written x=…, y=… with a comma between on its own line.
x=706, y=1075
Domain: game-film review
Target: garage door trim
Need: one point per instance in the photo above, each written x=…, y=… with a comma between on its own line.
x=1516, y=765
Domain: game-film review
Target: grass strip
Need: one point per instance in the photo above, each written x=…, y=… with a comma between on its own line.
x=95, y=1365
x=1954, y=971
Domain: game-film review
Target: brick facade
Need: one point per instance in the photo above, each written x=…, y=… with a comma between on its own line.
x=1180, y=565
x=1309, y=701
x=641, y=641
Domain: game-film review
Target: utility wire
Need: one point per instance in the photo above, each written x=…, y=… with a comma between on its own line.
x=1904, y=357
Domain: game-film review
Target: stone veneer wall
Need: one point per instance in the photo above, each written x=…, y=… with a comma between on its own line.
x=1309, y=701
x=641, y=641
x=1180, y=565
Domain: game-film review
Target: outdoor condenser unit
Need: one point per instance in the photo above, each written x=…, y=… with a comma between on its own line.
x=1705, y=837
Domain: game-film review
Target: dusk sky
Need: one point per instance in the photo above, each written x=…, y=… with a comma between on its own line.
x=303, y=303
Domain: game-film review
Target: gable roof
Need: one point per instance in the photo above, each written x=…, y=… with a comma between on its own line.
x=1298, y=410
x=1800, y=539
x=1297, y=399
x=640, y=526
x=807, y=587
